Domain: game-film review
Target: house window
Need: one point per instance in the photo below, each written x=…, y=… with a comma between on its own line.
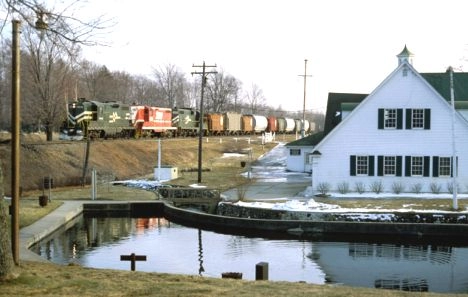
x=389, y=165
x=445, y=166
x=417, y=165
x=362, y=165
x=390, y=118
x=295, y=152
x=442, y=166
x=418, y=118
x=309, y=159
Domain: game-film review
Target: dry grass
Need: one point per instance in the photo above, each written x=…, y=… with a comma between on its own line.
x=52, y=280
x=396, y=203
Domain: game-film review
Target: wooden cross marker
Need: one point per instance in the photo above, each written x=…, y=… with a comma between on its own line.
x=132, y=258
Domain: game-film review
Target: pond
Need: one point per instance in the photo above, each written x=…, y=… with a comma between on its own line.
x=172, y=248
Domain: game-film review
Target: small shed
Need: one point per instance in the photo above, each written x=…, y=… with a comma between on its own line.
x=166, y=173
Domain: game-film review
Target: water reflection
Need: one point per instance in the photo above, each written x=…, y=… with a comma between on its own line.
x=171, y=248
x=393, y=266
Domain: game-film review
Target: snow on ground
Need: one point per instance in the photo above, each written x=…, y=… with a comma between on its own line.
x=271, y=167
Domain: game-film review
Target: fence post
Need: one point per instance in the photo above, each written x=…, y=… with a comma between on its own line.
x=261, y=271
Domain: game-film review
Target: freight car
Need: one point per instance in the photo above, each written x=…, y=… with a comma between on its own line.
x=97, y=120
x=272, y=124
x=232, y=123
x=215, y=123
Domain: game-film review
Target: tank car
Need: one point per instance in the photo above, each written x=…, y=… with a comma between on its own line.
x=298, y=126
x=96, y=119
x=260, y=123
x=152, y=121
x=290, y=125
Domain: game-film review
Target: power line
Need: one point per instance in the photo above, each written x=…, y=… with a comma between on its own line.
x=204, y=74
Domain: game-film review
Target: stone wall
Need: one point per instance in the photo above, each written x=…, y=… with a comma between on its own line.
x=233, y=210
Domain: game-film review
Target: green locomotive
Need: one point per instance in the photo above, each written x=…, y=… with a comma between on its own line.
x=96, y=119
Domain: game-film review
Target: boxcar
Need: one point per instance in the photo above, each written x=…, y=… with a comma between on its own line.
x=232, y=123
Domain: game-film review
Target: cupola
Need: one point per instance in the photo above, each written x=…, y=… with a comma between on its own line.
x=405, y=56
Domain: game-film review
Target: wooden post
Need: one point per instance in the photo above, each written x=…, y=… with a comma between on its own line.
x=261, y=271
x=132, y=258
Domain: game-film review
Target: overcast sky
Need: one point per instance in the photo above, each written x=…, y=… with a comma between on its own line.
x=350, y=45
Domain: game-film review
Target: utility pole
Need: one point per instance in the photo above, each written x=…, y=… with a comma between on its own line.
x=204, y=75
x=15, y=141
x=454, y=151
x=303, y=106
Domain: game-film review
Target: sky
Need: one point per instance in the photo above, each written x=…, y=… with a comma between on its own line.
x=350, y=45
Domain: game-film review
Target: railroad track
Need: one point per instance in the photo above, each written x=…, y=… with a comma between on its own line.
x=251, y=138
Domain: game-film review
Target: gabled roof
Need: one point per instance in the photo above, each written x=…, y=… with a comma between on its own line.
x=441, y=82
x=334, y=108
x=310, y=140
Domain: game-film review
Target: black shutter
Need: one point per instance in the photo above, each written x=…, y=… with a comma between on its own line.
x=399, y=118
x=409, y=119
x=407, y=166
x=427, y=119
x=427, y=161
x=380, y=124
x=380, y=165
x=451, y=166
x=352, y=165
x=435, y=166
x=371, y=165
x=398, y=166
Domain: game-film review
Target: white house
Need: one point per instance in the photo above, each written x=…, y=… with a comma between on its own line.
x=401, y=137
x=299, y=153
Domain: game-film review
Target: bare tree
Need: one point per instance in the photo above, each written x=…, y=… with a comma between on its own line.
x=222, y=92
x=172, y=83
x=68, y=30
x=60, y=22
x=144, y=91
x=46, y=68
x=6, y=257
x=5, y=86
x=255, y=98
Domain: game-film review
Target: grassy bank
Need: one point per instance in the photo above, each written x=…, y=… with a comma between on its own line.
x=52, y=280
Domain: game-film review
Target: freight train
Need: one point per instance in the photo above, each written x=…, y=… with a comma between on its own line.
x=95, y=119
